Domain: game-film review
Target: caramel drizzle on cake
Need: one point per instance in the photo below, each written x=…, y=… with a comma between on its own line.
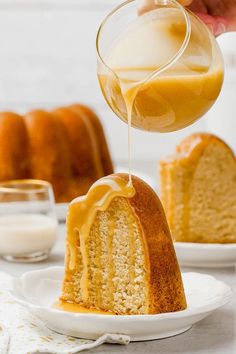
x=97, y=199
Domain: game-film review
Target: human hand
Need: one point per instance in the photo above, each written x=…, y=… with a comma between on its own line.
x=218, y=15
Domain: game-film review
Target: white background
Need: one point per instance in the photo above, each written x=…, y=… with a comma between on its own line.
x=48, y=58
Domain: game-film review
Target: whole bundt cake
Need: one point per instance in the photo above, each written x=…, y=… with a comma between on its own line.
x=120, y=256
x=66, y=147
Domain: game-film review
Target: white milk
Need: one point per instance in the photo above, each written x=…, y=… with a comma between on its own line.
x=26, y=233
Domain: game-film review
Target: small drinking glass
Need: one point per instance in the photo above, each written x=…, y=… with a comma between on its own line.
x=28, y=224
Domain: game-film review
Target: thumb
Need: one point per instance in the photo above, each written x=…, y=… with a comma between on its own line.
x=216, y=24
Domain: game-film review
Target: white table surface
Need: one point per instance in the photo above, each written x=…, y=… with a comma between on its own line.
x=214, y=335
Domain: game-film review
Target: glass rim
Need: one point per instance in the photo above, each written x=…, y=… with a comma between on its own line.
x=40, y=186
x=175, y=57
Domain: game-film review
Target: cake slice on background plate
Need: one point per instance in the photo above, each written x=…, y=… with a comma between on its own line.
x=119, y=252
x=198, y=190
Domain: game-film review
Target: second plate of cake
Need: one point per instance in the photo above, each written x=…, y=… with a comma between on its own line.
x=198, y=189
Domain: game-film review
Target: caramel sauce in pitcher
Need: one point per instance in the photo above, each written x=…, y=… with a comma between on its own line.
x=143, y=95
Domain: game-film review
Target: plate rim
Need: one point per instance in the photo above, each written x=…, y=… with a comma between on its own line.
x=148, y=317
x=205, y=245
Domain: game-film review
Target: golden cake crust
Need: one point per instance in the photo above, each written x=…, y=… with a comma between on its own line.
x=55, y=146
x=14, y=149
x=98, y=130
x=191, y=148
x=163, y=264
x=49, y=153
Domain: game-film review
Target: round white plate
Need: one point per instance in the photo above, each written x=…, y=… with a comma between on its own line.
x=211, y=255
x=38, y=290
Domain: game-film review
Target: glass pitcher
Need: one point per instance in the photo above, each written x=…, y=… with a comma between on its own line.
x=162, y=67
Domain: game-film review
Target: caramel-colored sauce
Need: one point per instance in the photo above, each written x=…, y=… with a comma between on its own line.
x=81, y=215
x=165, y=103
x=72, y=307
x=161, y=100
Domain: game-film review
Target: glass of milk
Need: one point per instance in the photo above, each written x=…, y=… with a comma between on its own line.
x=28, y=224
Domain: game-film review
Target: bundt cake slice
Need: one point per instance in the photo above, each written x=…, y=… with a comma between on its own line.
x=198, y=190
x=119, y=252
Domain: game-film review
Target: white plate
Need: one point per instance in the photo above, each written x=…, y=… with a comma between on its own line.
x=211, y=255
x=38, y=290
